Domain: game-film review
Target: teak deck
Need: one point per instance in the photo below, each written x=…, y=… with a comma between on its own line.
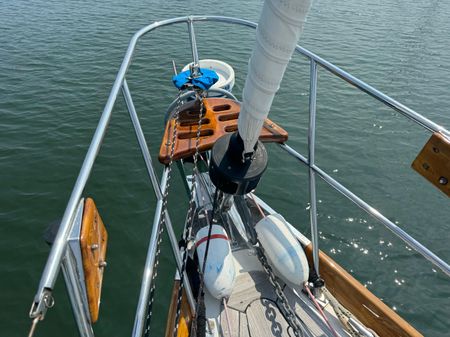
x=253, y=310
x=219, y=118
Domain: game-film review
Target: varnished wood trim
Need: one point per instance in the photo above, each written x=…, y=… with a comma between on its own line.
x=433, y=162
x=220, y=117
x=93, y=241
x=368, y=308
x=185, y=315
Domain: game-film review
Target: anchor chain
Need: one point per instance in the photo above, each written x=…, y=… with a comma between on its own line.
x=162, y=218
x=200, y=295
x=187, y=233
x=291, y=318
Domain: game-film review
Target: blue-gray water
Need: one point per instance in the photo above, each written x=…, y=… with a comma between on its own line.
x=58, y=60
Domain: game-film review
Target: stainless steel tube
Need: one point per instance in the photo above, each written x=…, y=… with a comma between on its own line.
x=82, y=317
x=157, y=189
x=53, y=263
x=54, y=260
x=176, y=249
x=55, y=257
x=390, y=102
x=311, y=157
x=141, y=310
x=408, y=239
x=140, y=317
x=141, y=139
x=191, y=30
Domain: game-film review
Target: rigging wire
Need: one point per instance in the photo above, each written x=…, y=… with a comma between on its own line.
x=317, y=305
x=257, y=205
x=33, y=326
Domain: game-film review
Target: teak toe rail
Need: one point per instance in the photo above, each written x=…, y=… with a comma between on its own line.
x=356, y=298
x=220, y=117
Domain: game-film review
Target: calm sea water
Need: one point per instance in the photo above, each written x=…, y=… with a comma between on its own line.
x=58, y=60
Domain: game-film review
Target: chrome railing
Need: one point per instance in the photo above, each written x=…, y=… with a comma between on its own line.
x=43, y=298
x=313, y=168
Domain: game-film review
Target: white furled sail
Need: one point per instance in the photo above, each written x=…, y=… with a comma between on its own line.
x=278, y=31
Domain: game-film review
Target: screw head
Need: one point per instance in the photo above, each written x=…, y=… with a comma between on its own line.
x=443, y=180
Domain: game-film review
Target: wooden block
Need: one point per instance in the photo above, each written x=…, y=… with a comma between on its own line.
x=366, y=307
x=220, y=117
x=93, y=241
x=433, y=162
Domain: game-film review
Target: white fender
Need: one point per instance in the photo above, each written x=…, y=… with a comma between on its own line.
x=282, y=249
x=220, y=271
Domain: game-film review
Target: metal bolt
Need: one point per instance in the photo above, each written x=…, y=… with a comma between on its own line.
x=443, y=181
x=94, y=246
x=425, y=166
x=435, y=149
x=49, y=300
x=102, y=264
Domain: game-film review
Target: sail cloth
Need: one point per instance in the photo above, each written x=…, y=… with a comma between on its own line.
x=279, y=29
x=204, y=81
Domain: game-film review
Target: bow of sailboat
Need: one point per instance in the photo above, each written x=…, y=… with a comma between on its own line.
x=241, y=268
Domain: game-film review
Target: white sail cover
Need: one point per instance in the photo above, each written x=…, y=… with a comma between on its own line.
x=278, y=31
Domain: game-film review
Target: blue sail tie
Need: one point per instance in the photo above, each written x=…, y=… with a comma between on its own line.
x=204, y=81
